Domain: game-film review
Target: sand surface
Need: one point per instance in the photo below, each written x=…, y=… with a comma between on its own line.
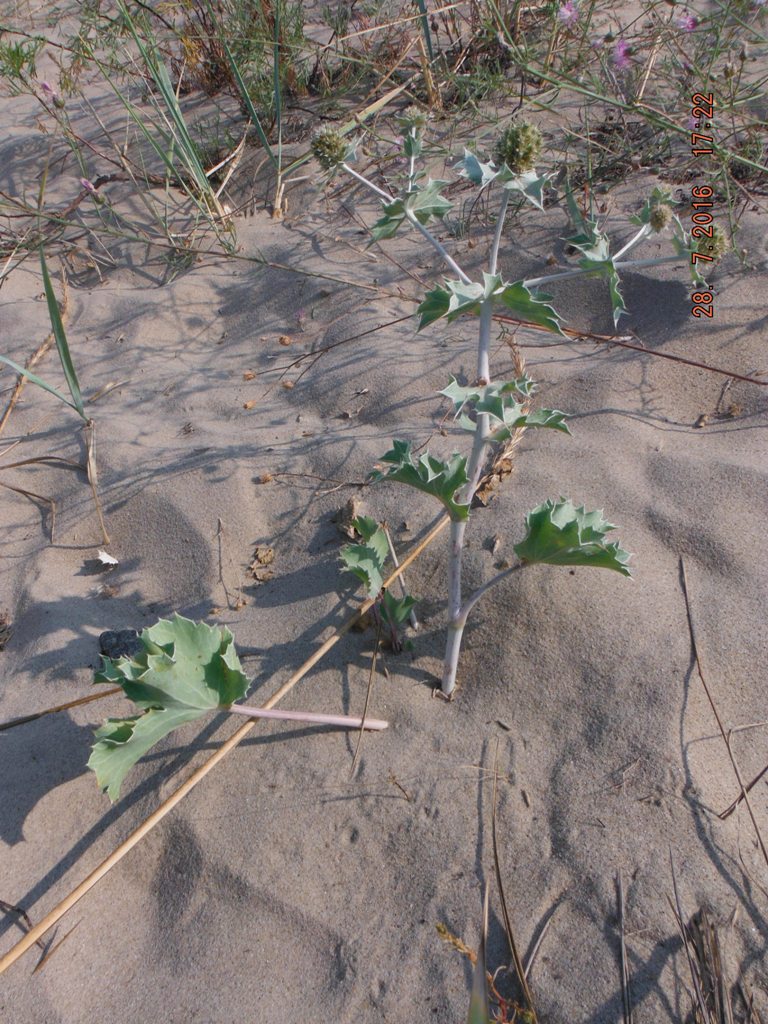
x=282, y=889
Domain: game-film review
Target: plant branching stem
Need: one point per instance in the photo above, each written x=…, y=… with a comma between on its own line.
x=438, y=247
x=457, y=614
x=535, y=282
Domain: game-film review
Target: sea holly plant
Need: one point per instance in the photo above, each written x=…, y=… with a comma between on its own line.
x=558, y=532
x=181, y=671
x=367, y=561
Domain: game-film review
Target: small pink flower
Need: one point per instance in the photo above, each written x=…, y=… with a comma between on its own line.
x=568, y=13
x=621, y=53
x=88, y=186
x=687, y=23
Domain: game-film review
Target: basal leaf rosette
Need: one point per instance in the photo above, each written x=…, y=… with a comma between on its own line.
x=184, y=670
x=559, y=533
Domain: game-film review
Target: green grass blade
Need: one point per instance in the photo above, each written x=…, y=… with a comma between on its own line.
x=277, y=94
x=38, y=380
x=421, y=4
x=242, y=89
x=159, y=73
x=61, y=341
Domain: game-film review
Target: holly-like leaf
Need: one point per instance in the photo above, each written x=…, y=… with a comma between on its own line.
x=617, y=299
x=515, y=417
x=428, y=474
x=529, y=183
x=458, y=298
x=423, y=203
x=533, y=307
x=367, y=560
x=589, y=240
x=684, y=247
x=183, y=670
x=561, y=534
x=475, y=170
x=435, y=305
x=607, y=268
x=489, y=398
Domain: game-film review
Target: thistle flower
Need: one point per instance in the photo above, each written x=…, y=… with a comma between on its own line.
x=51, y=95
x=716, y=246
x=621, y=53
x=568, y=13
x=518, y=147
x=329, y=148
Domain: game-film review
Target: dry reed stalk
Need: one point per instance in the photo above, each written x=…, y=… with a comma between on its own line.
x=178, y=795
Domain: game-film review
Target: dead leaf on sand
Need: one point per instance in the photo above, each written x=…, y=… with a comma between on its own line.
x=344, y=518
x=262, y=558
x=5, y=629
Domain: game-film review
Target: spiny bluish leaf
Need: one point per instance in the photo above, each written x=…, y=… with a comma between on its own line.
x=395, y=610
x=479, y=173
x=412, y=144
x=183, y=670
x=423, y=203
x=459, y=297
x=428, y=474
x=607, y=268
x=617, y=299
x=529, y=183
x=533, y=307
x=684, y=247
x=516, y=417
x=488, y=398
x=589, y=240
x=435, y=305
x=561, y=534
x=367, y=560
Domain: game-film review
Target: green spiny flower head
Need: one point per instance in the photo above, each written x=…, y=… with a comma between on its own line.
x=518, y=147
x=412, y=117
x=329, y=148
x=716, y=246
x=661, y=217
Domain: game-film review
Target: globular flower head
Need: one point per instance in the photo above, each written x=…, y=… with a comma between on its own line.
x=568, y=13
x=412, y=117
x=329, y=148
x=518, y=147
x=661, y=216
x=716, y=246
x=686, y=22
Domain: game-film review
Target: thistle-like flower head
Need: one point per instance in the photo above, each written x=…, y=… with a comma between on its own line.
x=329, y=148
x=661, y=217
x=518, y=147
x=412, y=117
x=716, y=246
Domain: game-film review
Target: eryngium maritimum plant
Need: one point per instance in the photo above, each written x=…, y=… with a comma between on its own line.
x=558, y=532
